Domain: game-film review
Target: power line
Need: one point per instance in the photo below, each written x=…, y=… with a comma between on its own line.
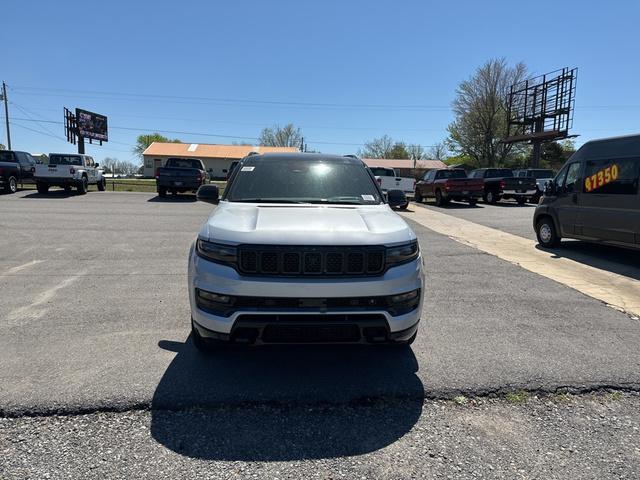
x=203, y=134
x=239, y=101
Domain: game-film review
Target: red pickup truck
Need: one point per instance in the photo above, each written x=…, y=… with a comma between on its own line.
x=449, y=184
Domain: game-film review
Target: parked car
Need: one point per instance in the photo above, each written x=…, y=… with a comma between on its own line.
x=595, y=196
x=69, y=170
x=500, y=183
x=180, y=175
x=302, y=248
x=449, y=184
x=542, y=176
x=388, y=179
x=15, y=167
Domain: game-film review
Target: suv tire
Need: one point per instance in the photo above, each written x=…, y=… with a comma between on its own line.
x=102, y=185
x=42, y=187
x=83, y=186
x=439, y=199
x=491, y=197
x=162, y=192
x=417, y=197
x=12, y=185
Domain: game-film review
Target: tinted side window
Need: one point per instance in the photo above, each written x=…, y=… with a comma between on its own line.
x=612, y=176
x=568, y=183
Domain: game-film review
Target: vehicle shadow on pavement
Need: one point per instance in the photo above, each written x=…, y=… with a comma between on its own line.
x=53, y=194
x=281, y=403
x=174, y=199
x=612, y=259
x=452, y=205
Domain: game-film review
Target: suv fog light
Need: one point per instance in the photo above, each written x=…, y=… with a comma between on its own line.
x=405, y=297
x=213, y=297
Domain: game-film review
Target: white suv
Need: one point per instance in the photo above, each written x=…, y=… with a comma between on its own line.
x=303, y=248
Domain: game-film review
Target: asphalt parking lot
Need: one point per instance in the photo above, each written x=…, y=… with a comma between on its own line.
x=95, y=319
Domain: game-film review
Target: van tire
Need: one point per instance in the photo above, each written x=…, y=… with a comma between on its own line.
x=546, y=233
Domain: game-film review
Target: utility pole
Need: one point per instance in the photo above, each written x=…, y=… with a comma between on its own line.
x=6, y=113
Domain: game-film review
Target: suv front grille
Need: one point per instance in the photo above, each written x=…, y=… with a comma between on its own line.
x=311, y=261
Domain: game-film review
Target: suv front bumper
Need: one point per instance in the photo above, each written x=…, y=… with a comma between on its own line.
x=258, y=325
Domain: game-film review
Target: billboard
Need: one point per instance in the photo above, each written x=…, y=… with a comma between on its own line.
x=91, y=125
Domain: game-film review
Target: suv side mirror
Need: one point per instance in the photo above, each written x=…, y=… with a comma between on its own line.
x=97, y=165
x=396, y=198
x=550, y=188
x=208, y=193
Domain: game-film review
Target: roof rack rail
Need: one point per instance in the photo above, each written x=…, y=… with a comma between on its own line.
x=351, y=155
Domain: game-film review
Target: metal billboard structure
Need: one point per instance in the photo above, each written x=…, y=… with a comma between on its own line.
x=84, y=124
x=540, y=109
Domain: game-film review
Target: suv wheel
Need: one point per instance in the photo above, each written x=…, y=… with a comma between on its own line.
x=83, y=186
x=42, y=187
x=12, y=185
x=521, y=200
x=473, y=202
x=492, y=198
x=162, y=191
x=102, y=185
x=439, y=198
x=417, y=197
x=206, y=345
x=546, y=233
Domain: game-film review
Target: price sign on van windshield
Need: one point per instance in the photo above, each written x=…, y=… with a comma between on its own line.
x=601, y=178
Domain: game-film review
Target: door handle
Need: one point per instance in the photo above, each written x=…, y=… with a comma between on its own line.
x=574, y=198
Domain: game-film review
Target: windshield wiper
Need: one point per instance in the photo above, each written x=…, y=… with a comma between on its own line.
x=328, y=201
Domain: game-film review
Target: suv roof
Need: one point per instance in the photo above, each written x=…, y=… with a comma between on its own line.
x=304, y=156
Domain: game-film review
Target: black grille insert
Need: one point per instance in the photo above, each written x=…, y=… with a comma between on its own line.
x=311, y=261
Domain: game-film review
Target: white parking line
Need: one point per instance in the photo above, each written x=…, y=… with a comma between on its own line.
x=37, y=309
x=19, y=268
x=613, y=289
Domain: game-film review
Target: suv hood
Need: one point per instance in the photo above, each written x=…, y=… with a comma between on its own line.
x=286, y=224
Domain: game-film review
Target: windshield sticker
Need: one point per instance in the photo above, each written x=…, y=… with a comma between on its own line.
x=247, y=169
x=368, y=198
x=601, y=178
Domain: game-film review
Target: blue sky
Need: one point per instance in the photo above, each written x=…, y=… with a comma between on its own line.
x=231, y=68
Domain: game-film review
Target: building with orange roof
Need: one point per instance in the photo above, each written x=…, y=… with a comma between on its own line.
x=216, y=158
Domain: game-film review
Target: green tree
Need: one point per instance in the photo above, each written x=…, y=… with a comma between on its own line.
x=377, y=148
x=399, y=151
x=554, y=154
x=143, y=142
x=287, y=136
x=2, y=147
x=480, y=109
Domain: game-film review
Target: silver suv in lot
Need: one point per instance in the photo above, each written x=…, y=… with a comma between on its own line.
x=303, y=248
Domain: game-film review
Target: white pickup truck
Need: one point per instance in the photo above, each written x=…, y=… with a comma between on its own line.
x=388, y=179
x=69, y=170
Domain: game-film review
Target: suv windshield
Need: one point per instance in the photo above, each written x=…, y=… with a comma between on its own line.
x=65, y=160
x=300, y=180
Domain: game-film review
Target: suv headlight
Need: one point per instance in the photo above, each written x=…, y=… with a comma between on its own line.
x=218, y=253
x=404, y=253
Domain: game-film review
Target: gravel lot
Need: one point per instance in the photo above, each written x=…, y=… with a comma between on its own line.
x=588, y=437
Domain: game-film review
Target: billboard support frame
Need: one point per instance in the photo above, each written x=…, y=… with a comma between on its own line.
x=541, y=109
